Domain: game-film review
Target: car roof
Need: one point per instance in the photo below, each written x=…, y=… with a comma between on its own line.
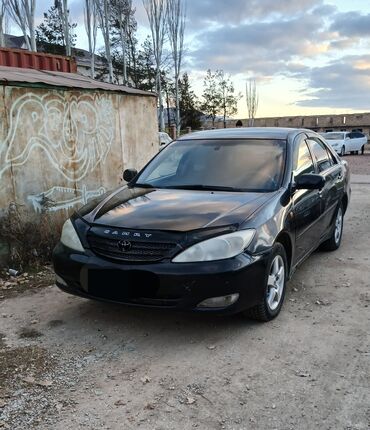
x=246, y=133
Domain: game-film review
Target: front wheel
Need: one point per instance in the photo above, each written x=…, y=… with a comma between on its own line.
x=274, y=289
x=343, y=151
x=363, y=150
x=333, y=243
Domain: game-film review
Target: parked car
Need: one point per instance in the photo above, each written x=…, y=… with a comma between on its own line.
x=344, y=142
x=164, y=139
x=216, y=222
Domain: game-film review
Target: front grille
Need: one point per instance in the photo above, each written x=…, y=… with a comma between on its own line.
x=139, y=252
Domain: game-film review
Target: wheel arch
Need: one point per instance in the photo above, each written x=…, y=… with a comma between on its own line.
x=345, y=202
x=284, y=239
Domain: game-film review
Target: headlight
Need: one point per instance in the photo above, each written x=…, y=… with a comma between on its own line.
x=217, y=248
x=69, y=237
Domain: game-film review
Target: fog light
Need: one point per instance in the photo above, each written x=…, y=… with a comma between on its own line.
x=60, y=281
x=219, y=302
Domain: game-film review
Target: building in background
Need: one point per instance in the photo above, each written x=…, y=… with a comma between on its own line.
x=320, y=123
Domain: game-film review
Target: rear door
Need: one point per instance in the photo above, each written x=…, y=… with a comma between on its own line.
x=359, y=140
x=352, y=142
x=328, y=166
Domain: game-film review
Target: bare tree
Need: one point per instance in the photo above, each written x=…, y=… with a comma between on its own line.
x=22, y=13
x=122, y=13
x=157, y=11
x=176, y=29
x=3, y=20
x=104, y=14
x=252, y=100
x=91, y=26
x=62, y=7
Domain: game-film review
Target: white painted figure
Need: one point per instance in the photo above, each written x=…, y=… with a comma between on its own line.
x=73, y=133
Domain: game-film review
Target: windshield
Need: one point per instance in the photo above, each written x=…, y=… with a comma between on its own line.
x=230, y=165
x=333, y=136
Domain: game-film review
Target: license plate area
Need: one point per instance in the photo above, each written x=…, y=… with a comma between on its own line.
x=122, y=285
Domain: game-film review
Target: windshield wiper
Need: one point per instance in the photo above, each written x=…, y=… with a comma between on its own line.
x=143, y=185
x=203, y=187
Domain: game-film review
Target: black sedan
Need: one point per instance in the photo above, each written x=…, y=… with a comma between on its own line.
x=216, y=222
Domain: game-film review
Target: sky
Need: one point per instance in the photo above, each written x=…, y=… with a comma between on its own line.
x=307, y=56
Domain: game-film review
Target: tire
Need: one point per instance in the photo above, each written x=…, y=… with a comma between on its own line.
x=343, y=151
x=363, y=150
x=356, y=152
x=333, y=243
x=274, y=289
x=352, y=152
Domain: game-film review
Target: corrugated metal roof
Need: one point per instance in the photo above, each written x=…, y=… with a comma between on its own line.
x=14, y=75
x=36, y=60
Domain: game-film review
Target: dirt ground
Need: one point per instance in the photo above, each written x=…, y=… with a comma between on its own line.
x=360, y=165
x=70, y=363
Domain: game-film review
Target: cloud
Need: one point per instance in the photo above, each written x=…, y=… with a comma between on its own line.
x=237, y=11
x=351, y=24
x=343, y=83
x=262, y=47
x=324, y=10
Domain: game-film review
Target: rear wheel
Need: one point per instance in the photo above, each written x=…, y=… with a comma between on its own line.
x=343, y=151
x=275, y=284
x=333, y=243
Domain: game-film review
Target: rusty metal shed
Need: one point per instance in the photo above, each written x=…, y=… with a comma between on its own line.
x=65, y=138
x=11, y=57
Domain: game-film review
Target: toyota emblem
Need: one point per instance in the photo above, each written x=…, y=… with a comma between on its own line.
x=124, y=245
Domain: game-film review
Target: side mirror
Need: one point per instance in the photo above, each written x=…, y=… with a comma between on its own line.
x=310, y=181
x=129, y=174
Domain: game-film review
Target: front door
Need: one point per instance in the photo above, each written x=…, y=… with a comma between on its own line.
x=306, y=203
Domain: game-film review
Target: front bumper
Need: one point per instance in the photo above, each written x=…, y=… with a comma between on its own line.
x=164, y=285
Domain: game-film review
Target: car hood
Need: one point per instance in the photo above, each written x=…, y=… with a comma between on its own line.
x=172, y=210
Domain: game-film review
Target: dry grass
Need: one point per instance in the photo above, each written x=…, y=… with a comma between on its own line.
x=30, y=239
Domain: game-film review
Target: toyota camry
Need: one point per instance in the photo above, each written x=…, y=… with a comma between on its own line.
x=216, y=222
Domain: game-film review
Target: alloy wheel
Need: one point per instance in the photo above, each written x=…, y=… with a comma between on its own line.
x=338, y=226
x=275, y=283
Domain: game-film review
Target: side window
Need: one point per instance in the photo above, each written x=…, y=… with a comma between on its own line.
x=332, y=157
x=321, y=155
x=303, y=162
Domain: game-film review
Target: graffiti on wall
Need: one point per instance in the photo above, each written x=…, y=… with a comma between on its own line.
x=63, y=198
x=73, y=134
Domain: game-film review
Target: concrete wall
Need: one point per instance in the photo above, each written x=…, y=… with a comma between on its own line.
x=67, y=146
